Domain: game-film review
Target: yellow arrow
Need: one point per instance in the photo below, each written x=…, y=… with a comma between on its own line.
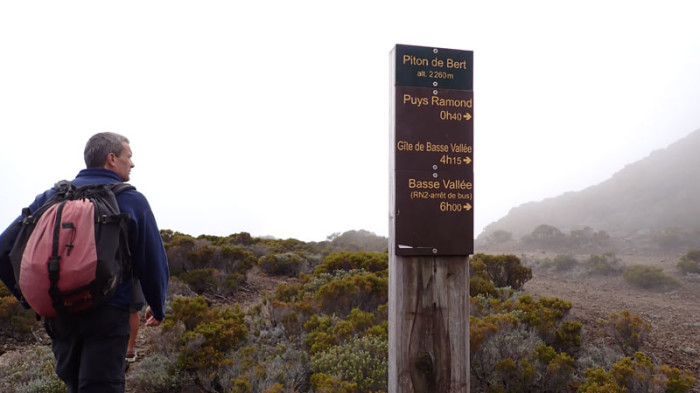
x=467, y=160
x=468, y=207
x=467, y=116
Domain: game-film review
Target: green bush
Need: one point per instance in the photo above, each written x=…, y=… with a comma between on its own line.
x=546, y=236
x=543, y=315
x=637, y=374
x=324, y=383
x=361, y=361
x=177, y=247
x=606, y=264
x=568, y=337
x=511, y=358
x=369, y=261
x=287, y=264
x=281, y=246
x=156, y=373
x=674, y=239
x=355, y=241
x=480, y=283
x=358, y=289
x=648, y=277
x=503, y=270
x=189, y=311
x=564, y=262
x=212, y=281
x=499, y=236
x=206, y=351
x=15, y=321
x=32, y=371
x=242, y=238
x=237, y=258
x=200, y=280
x=628, y=331
x=321, y=335
x=200, y=257
x=690, y=262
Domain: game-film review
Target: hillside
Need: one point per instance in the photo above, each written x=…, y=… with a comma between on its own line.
x=655, y=193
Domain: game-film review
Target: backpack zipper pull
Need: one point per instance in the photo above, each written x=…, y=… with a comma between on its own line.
x=69, y=246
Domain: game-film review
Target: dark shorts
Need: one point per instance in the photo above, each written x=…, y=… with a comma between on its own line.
x=89, y=349
x=137, y=299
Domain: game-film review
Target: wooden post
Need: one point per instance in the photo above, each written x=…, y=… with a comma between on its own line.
x=428, y=325
x=431, y=221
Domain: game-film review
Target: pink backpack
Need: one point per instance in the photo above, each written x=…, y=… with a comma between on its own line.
x=71, y=253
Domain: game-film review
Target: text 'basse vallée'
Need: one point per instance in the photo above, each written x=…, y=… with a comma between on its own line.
x=458, y=184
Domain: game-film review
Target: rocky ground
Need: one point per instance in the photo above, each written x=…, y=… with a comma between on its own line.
x=674, y=314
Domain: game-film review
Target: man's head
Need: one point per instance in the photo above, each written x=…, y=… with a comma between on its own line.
x=108, y=150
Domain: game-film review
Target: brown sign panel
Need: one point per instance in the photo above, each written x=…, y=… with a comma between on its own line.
x=434, y=128
x=433, y=152
x=422, y=66
x=434, y=213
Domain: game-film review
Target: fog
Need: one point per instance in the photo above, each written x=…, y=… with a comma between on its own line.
x=273, y=117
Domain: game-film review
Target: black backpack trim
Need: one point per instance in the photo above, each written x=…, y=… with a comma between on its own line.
x=64, y=191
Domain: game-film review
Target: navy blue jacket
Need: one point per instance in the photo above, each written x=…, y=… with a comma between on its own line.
x=148, y=255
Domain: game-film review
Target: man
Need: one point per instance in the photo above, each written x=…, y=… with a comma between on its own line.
x=90, y=347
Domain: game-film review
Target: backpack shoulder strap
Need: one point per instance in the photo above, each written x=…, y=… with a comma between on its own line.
x=118, y=188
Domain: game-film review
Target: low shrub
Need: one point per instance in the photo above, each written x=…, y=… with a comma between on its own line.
x=287, y=264
x=628, y=331
x=480, y=284
x=32, y=371
x=15, y=321
x=606, y=264
x=637, y=374
x=564, y=262
x=369, y=261
x=690, y=262
x=648, y=277
x=212, y=281
x=503, y=270
x=358, y=289
x=157, y=373
x=200, y=280
x=362, y=362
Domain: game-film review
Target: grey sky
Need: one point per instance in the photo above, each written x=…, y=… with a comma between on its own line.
x=272, y=117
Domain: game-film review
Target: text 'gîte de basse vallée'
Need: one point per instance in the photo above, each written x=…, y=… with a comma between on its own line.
x=453, y=153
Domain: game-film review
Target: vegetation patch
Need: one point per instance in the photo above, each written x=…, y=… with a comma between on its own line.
x=327, y=331
x=690, y=262
x=32, y=371
x=605, y=264
x=649, y=277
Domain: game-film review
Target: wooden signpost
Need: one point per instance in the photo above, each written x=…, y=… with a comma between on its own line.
x=431, y=219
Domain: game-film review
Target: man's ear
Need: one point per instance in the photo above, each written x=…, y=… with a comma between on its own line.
x=110, y=161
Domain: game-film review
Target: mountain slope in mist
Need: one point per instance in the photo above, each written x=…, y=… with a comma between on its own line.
x=657, y=192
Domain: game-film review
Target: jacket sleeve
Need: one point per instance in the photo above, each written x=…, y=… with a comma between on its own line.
x=149, y=260
x=7, y=241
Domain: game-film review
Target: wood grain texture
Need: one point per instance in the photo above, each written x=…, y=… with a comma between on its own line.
x=428, y=324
